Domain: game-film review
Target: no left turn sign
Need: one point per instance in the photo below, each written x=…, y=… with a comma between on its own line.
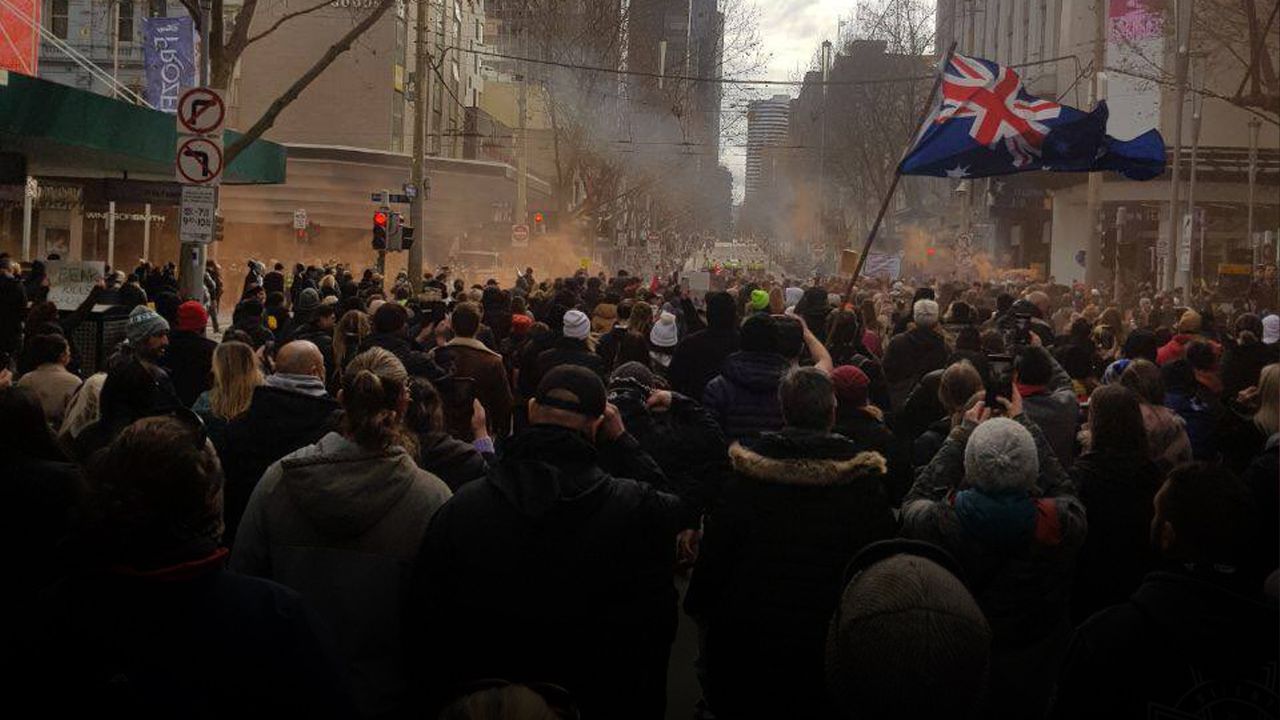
x=201, y=111
x=199, y=161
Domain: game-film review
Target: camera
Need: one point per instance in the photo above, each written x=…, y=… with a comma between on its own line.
x=999, y=381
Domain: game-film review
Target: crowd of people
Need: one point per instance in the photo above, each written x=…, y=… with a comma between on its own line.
x=906, y=499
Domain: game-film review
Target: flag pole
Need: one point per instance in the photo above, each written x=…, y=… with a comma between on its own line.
x=897, y=170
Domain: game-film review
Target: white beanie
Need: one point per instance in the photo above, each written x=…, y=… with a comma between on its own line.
x=664, y=333
x=1001, y=456
x=576, y=325
x=1271, y=329
x=925, y=313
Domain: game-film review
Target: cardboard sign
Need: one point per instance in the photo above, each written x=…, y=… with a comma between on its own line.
x=848, y=261
x=699, y=281
x=70, y=281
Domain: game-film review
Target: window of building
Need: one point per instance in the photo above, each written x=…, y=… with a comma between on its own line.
x=157, y=8
x=124, y=21
x=58, y=14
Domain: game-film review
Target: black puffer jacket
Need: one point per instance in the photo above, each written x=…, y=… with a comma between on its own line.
x=416, y=362
x=870, y=433
x=743, y=398
x=769, y=573
x=909, y=357
x=1117, y=492
x=277, y=423
x=552, y=569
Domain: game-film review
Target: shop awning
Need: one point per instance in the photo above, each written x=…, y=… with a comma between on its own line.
x=66, y=131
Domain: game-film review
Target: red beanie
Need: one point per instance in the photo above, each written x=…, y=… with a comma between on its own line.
x=520, y=324
x=192, y=317
x=851, y=385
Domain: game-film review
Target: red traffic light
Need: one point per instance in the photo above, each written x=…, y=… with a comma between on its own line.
x=380, y=219
x=931, y=251
x=537, y=218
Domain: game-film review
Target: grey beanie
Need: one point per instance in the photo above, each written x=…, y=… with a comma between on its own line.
x=143, y=323
x=1001, y=457
x=308, y=300
x=905, y=623
x=576, y=325
x=664, y=333
x=925, y=313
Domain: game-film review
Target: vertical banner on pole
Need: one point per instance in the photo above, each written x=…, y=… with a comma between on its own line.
x=169, y=57
x=20, y=36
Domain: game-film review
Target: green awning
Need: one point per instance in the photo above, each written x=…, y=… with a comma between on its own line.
x=62, y=130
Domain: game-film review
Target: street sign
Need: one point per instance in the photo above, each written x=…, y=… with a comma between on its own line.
x=410, y=190
x=387, y=198
x=199, y=160
x=1184, y=245
x=519, y=236
x=300, y=219
x=196, y=219
x=201, y=112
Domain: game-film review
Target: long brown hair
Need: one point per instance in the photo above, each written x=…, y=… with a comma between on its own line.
x=1115, y=422
x=347, y=334
x=235, y=375
x=1268, y=416
x=641, y=321
x=373, y=386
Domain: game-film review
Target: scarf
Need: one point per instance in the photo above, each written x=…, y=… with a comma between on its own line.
x=301, y=384
x=1001, y=520
x=1027, y=391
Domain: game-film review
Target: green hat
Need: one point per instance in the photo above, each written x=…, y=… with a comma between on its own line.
x=759, y=300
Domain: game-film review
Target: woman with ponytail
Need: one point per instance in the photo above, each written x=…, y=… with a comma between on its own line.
x=342, y=522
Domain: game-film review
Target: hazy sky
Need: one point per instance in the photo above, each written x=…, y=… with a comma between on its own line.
x=791, y=32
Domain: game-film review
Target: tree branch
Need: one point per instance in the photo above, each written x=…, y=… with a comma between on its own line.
x=268, y=118
x=285, y=18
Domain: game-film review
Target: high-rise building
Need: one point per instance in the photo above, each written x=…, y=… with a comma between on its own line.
x=766, y=127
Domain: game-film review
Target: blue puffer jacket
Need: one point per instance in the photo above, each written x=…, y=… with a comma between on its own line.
x=743, y=398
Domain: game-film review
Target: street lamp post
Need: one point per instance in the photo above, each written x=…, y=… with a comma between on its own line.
x=1197, y=105
x=1255, y=126
x=1176, y=269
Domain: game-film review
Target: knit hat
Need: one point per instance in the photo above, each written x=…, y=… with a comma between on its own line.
x=925, y=313
x=576, y=325
x=664, y=334
x=851, y=385
x=759, y=300
x=1190, y=323
x=901, y=619
x=308, y=301
x=791, y=296
x=192, y=317
x=520, y=324
x=1000, y=457
x=1271, y=329
x=633, y=371
x=143, y=323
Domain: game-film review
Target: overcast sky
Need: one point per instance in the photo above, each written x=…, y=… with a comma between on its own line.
x=791, y=32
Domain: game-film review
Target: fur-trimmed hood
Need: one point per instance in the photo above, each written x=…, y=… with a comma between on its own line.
x=759, y=464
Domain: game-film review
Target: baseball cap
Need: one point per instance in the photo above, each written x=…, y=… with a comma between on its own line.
x=572, y=388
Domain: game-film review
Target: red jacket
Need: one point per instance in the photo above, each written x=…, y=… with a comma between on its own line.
x=1177, y=347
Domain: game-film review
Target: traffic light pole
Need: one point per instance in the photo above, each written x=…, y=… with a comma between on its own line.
x=421, y=131
x=191, y=256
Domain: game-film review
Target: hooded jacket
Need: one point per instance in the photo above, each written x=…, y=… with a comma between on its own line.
x=1056, y=411
x=453, y=461
x=343, y=526
x=189, y=362
x=1183, y=645
x=743, y=398
x=770, y=568
x=552, y=569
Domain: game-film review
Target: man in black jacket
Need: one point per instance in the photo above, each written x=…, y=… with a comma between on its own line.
x=189, y=359
x=1193, y=641
x=290, y=411
x=914, y=353
x=802, y=502
x=698, y=359
x=552, y=569
x=390, y=332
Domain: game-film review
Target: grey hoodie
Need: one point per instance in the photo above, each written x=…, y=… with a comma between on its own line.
x=343, y=526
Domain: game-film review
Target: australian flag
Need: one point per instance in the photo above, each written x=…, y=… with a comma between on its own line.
x=988, y=124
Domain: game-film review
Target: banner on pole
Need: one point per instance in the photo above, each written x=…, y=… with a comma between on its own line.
x=169, y=57
x=20, y=36
x=880, y=264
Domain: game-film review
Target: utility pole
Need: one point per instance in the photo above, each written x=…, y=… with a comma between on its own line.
x=1175, y=272
x=421, y=130
x=1093, y=248
x=191, y=256
x=1197, y=105
x=1255, y=126
x=821, y=233
x=522, y=160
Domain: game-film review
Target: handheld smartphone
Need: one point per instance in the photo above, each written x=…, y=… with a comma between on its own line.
x=999, y=381
x=456, y=397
